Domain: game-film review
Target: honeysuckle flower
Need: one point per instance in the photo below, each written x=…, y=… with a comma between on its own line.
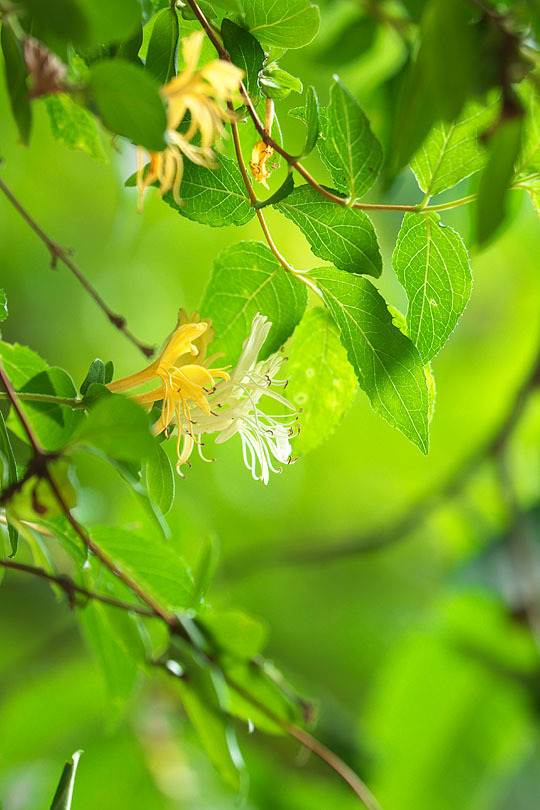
x=260, y=155
x=235, y=407
x=203, y=96
x=185, y=380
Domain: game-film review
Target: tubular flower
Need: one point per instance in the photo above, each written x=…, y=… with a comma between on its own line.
x=235, y=407
x=203, y=94
x=259, y=157
x=185, y=381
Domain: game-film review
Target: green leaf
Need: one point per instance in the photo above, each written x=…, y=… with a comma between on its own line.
x=155, y=567
x=129, y=102
x=118, y=427
x=64, y=791
x=431, y=263
x=310, y=115
x=355, y=151
x=497, y=176
x=111, y=20
x=245, y=52
x=36, y=499
x=453, y=151
x=62, y=19
x=160, y=479
x=9, y=477
x=162, y=54
x=73, y=125
x=322, y=382
x=215, y=197
x=529, y=158
x=282, y=23
x=415, y=115
x=96, y=374
x=281, y=194
x=3, y=306
x=53, y=424
x=257, y=698
x=234, y=633
x=248, y=279
x=343, y=236
x=15, y=72
x=387, y=363
x=277, y=83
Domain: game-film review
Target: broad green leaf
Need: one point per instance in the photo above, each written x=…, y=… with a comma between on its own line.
x=61, y=19
x=529, y=158
x=432, y=265
x=453, y=151
x=245, y=52
x=154, y=566
x=215, y=197
x=387, y=363
x=160, y=479
x=248, y=279
x=96, y=374
x=73, y=125
x=343, y=236
x=322, y=382
x=9, y=476
x=204, y=697
x=110, y=20
x=53, y=424
x=496, y=178
x=234, y=633
x=414, y=117
x=282, y=23
x=109, y=645
x=15, y=74
x=129, y=102
x=119, y=428
x=162, y=54
x=67, y=538
x=355, y=151
x=64, y=792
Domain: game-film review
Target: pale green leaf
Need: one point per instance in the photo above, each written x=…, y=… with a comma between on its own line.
x=247, y=279
x=282, y=23
x=453, y=151
x=322, y=382
x=529, y=158
x=234, y=633
x=64, y=792
x=118, y=427
x=432, y=264
x=343, y=236
x=387, y=363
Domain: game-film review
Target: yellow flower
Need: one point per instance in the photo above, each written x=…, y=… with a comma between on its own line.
x=203, y=95
x=185, y=380
x=260, y=155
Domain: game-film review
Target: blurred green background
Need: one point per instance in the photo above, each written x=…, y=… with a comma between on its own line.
x=426, y=677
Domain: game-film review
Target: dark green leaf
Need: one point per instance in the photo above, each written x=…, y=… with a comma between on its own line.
x=387, y=363
x=110, y=20
x=312, y=121
x=322, y=382
x=245, y=52
x=162, y=54
x=129, y=102
x=351, y=42
x=65, y=19
x=9, y=477
x=497, y=176
x=343, y=236
x=355, y=151
x=214, y=197
x=160, y=479
x=282, y=23
x=119, y=428
x=234, y=633
x=155, y=567
x=432, y=264
x=415, y=115
x=281, y=194
x=96, y=374
x=16, y=81
x=248, y=279
x=64, y=791
x=73, y=125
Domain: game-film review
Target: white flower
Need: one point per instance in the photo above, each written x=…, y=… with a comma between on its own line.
x=235, y=407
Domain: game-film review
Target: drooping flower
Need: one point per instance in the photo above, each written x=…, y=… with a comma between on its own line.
x=260, y=155
x=198, y=98
x=185, y=380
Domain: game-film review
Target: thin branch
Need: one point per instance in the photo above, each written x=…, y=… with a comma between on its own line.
x=70, y=588
x=68, y=402
x=380, y=539
x=58, y=253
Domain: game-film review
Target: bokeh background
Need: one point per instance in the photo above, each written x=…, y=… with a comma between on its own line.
x=425, y=674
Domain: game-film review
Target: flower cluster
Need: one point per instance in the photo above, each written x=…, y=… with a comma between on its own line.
x=198, y=99
x=201, y=399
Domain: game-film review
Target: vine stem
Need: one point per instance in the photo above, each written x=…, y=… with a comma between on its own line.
x=27, y=396
x=59, y=253
x=41, y=459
